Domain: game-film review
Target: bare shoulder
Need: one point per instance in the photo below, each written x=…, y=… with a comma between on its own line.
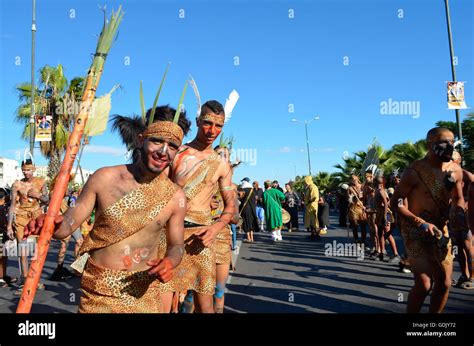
x=409, y=174
x=224, y=168
x=107, y=175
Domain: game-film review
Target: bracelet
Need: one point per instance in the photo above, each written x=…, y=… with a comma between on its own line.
x=418, y=221
x=219, y=220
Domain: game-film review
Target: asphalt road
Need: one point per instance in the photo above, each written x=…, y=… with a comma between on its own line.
x=296, y=275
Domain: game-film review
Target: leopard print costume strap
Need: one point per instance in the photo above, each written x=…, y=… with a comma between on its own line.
x=437, y=191
x=130, y=214
x=203, y=174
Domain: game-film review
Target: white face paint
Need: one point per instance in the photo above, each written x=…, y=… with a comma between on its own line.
x=164, y=149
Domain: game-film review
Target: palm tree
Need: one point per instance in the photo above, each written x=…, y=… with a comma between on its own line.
x=322, y=181
x=55, y=97
x=405, y=153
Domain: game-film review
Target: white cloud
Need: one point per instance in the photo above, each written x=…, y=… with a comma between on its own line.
x=285, y=150
x=102, y=149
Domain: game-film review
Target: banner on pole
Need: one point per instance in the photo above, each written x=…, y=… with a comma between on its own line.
x=43, y=128
x=456, y=95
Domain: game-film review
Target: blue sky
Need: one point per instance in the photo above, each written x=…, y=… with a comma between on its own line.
x=337, y=59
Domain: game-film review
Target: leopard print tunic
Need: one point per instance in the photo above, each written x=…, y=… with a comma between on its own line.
x=116, y=291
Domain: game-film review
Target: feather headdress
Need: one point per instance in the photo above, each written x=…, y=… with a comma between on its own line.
x=230, y=104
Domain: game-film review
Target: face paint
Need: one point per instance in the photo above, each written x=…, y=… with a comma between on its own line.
x=443, y=150
x=164, y=149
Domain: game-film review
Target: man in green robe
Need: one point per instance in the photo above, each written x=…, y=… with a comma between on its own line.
x=272, y=199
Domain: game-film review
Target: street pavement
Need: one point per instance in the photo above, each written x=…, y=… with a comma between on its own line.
x=296, y=275
x=299, y=275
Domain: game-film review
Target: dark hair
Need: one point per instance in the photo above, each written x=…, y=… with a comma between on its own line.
x=212, y=106
x=166, y=113
x=434, y=132
x=130, y=127
x=27, y=162
x=3, y=193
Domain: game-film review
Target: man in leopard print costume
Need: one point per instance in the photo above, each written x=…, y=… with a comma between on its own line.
x=137, y=209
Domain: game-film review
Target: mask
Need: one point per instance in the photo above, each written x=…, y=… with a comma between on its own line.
x=444, y=151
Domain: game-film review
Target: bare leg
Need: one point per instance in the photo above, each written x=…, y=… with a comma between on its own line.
x=354, y=232
x=422, y=274
x=3, y=266
x=166, y=301
x=391, y=240
x=363, y=231
x=222, y=272
x=203, y=303
x=442, y=284
x=251, y=235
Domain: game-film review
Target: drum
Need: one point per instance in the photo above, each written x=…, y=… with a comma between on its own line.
x=286, y=217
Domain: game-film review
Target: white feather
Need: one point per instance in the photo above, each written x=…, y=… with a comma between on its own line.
x=196, y=93
x=230, y=104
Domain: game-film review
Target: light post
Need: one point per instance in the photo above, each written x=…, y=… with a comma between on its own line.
x=306, y=123
x=32, y=106
x=453, y=72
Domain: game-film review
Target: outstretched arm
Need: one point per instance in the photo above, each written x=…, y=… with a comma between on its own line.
x=66, y=224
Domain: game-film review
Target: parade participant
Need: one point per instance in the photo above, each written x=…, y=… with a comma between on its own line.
x=368, y=198
x=259, y=202
x=5, y=280
x=272, y=199
x=383, y=219
x=463, y=235
x=137, y=208
x=61, y=273
x=199, y=170
x=276, y=185
x=371, y=211
x=357, y=213
x=323, y=215
x=223, y=243
x=343, y=204
x=311, y=208
x=26, y=198
x=429, y=185
x=248, y=209
x=292, y=201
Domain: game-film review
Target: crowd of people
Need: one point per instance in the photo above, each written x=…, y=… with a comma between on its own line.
x=167, y=223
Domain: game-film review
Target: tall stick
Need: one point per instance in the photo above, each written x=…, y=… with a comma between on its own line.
x=108, y=34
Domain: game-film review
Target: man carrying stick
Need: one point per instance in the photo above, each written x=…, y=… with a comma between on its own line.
x=137, y=207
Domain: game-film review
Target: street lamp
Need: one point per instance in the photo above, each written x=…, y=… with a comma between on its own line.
x=306, y=123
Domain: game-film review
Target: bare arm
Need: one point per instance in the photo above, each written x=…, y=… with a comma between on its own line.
x=82, y=210
x=209, y=234
x=228, y=196
x=471, y=202
x=403, y=189
x=175, y=229
x=11, y=211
